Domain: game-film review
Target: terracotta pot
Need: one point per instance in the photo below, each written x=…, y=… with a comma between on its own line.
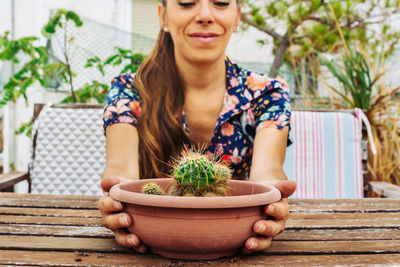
x=195, y=227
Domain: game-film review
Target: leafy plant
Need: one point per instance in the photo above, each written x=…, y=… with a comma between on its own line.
x=97, y=90
x=29, y=72
x=365, y=85
x=59, y=22
x=355, y=78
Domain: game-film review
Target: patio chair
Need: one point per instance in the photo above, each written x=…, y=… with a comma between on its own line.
x=326, y=158
x=67, y=153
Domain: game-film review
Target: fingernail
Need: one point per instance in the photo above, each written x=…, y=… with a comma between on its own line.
x=252, y=245
x=123, y=221
x=132, y=241
x=117, y=205
x=261, y=228
x=270, y=209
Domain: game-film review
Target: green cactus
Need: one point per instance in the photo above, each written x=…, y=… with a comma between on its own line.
x=152, y=189
x=195, y=172
x=199, y=175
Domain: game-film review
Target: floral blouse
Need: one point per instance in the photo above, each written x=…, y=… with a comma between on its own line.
x=252, y=102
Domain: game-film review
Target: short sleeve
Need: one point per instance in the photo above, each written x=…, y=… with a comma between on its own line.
x=122, y=102
x=272, y=109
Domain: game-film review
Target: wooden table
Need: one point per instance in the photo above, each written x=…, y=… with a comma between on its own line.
x=64, y=230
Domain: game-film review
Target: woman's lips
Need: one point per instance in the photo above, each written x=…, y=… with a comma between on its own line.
x=204, y=37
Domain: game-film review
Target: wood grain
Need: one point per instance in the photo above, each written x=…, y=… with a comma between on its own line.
x=47, y=230
x=92, y=213
x=49, y=220
x=47, y=258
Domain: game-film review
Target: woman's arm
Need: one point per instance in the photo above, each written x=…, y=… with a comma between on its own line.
x=269, y=152
x=121, y=165
x=122, y=157
x=267, y=167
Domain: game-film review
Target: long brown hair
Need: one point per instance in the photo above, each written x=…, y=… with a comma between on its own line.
x=160, y=128
x=161, y=135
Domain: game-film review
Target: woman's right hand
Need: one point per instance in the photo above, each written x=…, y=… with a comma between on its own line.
x=115, y=220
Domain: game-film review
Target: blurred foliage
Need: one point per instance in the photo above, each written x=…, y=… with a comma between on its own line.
x=44, y=68
x=39, y=67
x=301, y=28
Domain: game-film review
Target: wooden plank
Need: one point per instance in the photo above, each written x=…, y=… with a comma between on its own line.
x=321, y=260
x=288, y=234
x=280, y=247
x=344, y=223
x=385, y=189
x=335, y=247
x=11, y=219
x=55, y=230
x=291, y=224
x=50, y=212
x=47, y=197
x=345, y=205
x=46, y=258
x=343, y=234
x=60, y=243
x=11, y=178
x=47, y=201
x=345, y=215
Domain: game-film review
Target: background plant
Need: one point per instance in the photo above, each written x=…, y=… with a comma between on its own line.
x=43, y=67
x=365, y=84
x=301, y=29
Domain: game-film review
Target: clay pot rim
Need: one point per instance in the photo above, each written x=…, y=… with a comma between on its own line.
x=271, y=195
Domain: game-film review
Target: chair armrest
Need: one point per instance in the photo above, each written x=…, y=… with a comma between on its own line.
x=385, y=189
x=11, y=178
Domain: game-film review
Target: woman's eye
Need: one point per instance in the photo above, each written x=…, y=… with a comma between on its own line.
x=186, y=4
x=221, y=3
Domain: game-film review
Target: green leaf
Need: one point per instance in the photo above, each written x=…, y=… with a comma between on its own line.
x=76, y=19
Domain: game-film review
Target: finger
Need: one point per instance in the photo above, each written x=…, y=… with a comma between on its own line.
x=278, y=210
x=126, y=239
x=108, y=182
x=117, y=221
x=286, y=187
x=108, y=205
x=141, y=249
x=269, y=228
x=257, y=244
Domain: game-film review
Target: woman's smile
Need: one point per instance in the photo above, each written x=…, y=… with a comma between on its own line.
x=204, y=37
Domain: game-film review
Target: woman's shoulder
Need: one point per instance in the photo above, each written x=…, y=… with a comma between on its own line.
x=256, y=83
x=124, y=80
x=123, y=86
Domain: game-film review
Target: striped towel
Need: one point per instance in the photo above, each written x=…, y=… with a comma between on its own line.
x=325, y=158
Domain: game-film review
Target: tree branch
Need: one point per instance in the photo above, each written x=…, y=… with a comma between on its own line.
x=265, y=29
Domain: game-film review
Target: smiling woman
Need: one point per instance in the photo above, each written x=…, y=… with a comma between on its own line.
x=187, y=93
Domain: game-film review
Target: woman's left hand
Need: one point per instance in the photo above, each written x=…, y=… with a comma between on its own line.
x=278, y=212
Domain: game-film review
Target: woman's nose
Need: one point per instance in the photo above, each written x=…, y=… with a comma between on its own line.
x=205, y=15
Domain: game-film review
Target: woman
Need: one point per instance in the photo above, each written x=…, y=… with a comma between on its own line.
x=187, y=83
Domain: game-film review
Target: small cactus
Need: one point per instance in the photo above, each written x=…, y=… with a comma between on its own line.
x=152, y=189
x=222, y=172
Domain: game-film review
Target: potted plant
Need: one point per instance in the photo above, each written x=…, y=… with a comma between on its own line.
x=199, y=213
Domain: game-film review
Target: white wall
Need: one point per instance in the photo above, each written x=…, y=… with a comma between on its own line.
x=31, y=15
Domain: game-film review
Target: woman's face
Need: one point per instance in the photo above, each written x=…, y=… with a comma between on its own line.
x=200, y=29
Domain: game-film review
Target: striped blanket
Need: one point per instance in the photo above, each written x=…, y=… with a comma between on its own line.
x=325, y=158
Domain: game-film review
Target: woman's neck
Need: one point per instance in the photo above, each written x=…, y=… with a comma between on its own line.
x=202, y=78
